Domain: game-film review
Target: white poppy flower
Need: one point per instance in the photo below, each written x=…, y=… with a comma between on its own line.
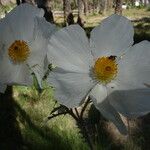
x=23, y=44
x=109, y=69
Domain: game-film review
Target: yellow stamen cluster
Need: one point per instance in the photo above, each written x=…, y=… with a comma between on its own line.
x=105, y=69
x=18, y=51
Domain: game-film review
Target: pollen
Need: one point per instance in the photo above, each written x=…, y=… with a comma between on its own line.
x=18, y=51
x=105, y=69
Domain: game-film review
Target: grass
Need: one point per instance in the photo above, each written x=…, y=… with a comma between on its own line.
x=59, y=133
x=93, y=20
x=23, y=119
x=5, y=9
x=24, y=122
x=139, y=17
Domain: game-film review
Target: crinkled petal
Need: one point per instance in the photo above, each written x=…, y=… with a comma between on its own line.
x=14, y=73
x=39, y=43
x=111, y=114
x=100, y=99
x=99, y=96
x=98, y=93
x=130, y=92
x=70, y=87
x=39, y=46
x=21, y=21
x=113, y=36
x=69, y=49
x=20, y=24
x=6, y=34
x=47, y=28
x=22, y=76
x=131, y=103
x=134, y=67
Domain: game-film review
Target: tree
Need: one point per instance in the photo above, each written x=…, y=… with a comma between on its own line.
x=46, y=5
x=70, y=19
x=25, y=1
x=79, y=19
x=79, y=3
x=118, y=7
x=18, y=2
x=66, y=8
x=102, y=6
x=109, y=4
x=85, y=4
x=68, y=16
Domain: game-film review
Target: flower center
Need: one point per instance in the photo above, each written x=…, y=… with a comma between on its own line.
x=18, y=51
x=105, y=69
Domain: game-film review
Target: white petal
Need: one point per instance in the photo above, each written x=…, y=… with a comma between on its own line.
x=21, y=21
x=131, y=103
x=70, y=87
x=7, y=37
x=114, y=35
x=39, y=73
x=39, y=44
x=2, y=88
x=46, y=64
x=134, y=67
x=23, y=76
x=39, y=47
x=14, y=74
x=46, y=27
x=100, y=100
x=69, y=49
x=98, y=93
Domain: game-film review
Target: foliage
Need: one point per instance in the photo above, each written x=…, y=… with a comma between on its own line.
x=5, y=9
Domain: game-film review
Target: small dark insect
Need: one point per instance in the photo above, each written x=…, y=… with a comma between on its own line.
x=16, y=48
x=112, y=57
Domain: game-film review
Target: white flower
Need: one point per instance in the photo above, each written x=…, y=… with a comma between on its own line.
x=23, y=44
x=109, y=69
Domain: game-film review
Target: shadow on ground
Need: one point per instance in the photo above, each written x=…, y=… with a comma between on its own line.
x=141, y=26
x=142, y=29
x=10, y=133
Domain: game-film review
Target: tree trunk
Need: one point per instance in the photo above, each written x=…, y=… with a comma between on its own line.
x=79, y=19
x=118, y=7
x=75, y=3
x=70, y=19
x=109, y=4
x=68, y=16
x=79, y=7
x=102, y=7
x=29, y=1
x=46, y=5
x=93, y=6
x=133, y=2
x=85, y=3
x=146, y=2
x=18, y=2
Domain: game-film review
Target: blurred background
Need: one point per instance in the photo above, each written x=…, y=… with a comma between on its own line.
x=24, y=110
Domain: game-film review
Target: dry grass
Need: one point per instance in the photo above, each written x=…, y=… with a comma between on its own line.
x=93, y=20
